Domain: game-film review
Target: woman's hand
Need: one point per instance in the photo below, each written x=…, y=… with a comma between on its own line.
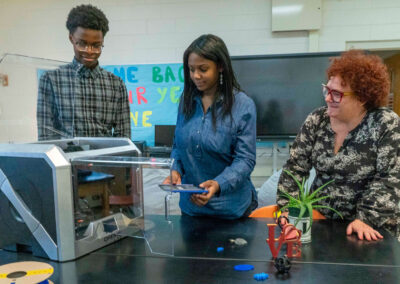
x=202, y=199
x=176, y=178
x=363, y=231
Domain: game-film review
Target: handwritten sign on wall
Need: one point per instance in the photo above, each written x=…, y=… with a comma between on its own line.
x=153, y=91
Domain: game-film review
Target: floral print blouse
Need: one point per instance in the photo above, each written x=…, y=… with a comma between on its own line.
x=365, y=170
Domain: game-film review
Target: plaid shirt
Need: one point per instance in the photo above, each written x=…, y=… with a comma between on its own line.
x=75, y=101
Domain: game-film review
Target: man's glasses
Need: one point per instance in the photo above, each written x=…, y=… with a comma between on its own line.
x=336, y=95
x=83, y=46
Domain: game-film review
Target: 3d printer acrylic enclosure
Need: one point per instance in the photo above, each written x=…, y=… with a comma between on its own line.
x=62, y=199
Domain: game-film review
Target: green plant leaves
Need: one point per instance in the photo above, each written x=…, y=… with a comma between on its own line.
x=306, y=200
x=330, y=208
x=312, y=195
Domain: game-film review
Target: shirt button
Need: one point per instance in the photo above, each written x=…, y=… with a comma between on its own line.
x=197, y=146
x=198, y=131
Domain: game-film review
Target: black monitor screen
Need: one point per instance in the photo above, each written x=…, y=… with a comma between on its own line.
x=164, y=135
x=285, y=89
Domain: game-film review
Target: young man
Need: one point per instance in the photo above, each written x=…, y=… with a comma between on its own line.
x=81, y=99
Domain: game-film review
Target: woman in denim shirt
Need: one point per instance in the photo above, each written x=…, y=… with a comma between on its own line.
x=215, y=137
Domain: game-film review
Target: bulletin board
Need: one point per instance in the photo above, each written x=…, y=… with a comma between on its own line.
x=153, y=91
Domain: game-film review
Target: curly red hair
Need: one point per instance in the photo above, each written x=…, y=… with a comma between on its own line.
x=366, y=75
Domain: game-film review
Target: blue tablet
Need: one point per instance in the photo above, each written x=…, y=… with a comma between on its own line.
x=190, y=188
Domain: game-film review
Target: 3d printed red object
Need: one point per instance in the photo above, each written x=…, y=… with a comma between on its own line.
x=289, y=235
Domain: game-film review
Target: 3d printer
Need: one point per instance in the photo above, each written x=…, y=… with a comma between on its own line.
x=63, y=199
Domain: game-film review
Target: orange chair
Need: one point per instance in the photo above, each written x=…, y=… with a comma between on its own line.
x=268, y=212
x=264, y=212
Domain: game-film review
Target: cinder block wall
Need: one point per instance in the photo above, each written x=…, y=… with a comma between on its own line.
x=158, y=31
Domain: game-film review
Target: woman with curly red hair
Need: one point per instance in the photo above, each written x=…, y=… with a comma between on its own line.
x=355, y=141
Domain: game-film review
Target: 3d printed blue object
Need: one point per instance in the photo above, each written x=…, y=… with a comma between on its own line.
x=244, y=267
x=261, y=276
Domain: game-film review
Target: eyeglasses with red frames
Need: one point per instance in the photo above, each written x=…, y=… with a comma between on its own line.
x=336, y=95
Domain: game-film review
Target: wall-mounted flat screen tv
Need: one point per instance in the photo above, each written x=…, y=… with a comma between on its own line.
x=285, y=89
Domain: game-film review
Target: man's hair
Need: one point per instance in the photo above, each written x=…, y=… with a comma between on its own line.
x=88, y=17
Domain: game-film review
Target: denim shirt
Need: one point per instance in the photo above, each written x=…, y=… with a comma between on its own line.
x=225, y=154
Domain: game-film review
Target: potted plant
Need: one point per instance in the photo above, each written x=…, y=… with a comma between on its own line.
x=301, y=207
